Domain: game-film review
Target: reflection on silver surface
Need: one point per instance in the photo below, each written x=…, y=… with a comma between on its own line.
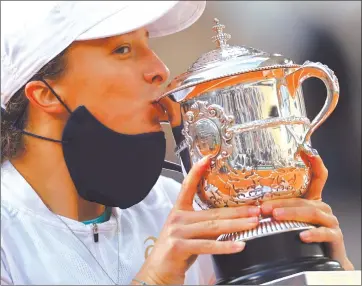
x=206, y=137
x=255, y=163
x=225, y=61
x=245, y=108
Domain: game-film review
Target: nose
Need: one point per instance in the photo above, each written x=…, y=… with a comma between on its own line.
x=157, y=73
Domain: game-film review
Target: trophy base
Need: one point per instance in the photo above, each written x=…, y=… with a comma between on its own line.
x=272, y=257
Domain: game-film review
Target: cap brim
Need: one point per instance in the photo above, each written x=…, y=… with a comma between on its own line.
x=161, y=18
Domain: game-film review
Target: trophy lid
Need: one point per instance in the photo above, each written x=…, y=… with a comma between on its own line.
x=224, y=61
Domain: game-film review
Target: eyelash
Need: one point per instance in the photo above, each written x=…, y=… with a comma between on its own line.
x=117, y=51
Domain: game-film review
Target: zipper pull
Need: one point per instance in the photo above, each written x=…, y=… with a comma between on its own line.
x=95, y=232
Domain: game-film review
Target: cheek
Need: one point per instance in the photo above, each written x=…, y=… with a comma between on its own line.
x=108, y=88
x=109, y=83
x=116, y=97
x=126, y=115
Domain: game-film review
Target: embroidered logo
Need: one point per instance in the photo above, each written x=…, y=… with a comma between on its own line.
x=149, y=248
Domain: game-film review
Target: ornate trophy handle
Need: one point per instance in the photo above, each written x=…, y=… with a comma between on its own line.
x=318, y=70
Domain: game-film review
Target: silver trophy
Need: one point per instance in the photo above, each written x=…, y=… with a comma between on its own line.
x=245, y=108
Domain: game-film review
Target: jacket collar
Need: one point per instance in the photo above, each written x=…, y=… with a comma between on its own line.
x=17, y=194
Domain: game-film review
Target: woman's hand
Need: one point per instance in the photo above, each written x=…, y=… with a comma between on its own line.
x=311, y=209
x=188, y=233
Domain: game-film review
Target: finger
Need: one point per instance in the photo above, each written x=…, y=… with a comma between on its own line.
x=201, y=246
x=268, y=206
x=306, y=214
x=173, y=110
x=214, y=228
x=321, y=234
x=224, y=213
x=333, y=237
x=190, y=184
x=187, y=217
x=162, y=113
x=319, y=175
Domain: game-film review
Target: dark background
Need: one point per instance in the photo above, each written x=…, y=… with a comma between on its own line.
x=320, y=31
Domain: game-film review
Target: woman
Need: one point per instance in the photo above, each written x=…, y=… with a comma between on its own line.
x=82, y=152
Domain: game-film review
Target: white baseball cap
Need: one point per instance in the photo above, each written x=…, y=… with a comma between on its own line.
x=34, y=32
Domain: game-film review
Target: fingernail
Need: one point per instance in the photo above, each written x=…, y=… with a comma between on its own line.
x=254, y=211
x=313, y=155
x=239, y=245
x=278, y=212
x=253, y=219
x=206, y=159
x=305, y=235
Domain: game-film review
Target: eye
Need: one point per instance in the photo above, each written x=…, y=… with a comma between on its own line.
x=122, y=50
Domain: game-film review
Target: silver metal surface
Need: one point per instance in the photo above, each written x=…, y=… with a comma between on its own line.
x=253, y=135
x=245, y=109
x=225, y=61
x=266, y=227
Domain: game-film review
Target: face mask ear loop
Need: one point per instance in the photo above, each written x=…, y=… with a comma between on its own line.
x=57, y=96
x=15, y=124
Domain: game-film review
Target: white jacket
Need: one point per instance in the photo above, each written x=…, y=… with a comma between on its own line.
x=37, y=248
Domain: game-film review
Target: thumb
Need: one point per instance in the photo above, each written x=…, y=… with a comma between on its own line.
x=319, y=174
x=191, y=182
x=173, y=110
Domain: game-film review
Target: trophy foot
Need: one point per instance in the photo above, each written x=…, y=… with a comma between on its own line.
x=272, y=257
x=266, y=227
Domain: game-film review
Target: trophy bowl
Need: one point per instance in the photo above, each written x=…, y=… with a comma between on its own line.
x=245, y=109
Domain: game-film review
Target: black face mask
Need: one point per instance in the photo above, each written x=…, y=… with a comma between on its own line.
x=107, y=167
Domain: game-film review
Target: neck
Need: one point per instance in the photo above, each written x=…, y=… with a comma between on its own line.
x=43, y=167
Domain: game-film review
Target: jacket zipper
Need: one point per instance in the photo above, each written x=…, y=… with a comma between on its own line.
x=95, y=232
